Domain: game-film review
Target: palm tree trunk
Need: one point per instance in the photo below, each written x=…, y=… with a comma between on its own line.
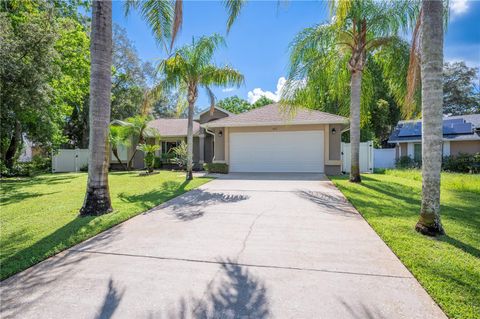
x=432, y=105
x=355, y=87
x=190, y=140
x=97, y=198
x=115, y=153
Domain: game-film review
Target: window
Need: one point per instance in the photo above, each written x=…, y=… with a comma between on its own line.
x=417, y=152
x=167, y=146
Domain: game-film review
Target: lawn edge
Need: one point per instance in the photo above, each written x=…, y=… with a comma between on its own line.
x=12, y=275
x=399, y=259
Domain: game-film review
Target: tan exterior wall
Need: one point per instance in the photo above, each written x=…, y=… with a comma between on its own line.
x=466, y=147
x=331, y=141
x=219, y=147
x=335, y=141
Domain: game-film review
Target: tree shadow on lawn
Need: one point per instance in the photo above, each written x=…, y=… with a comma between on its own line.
x=74, y=232
x=466, y=215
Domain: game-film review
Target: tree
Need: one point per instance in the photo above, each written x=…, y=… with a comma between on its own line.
x=136, y=130
x=234, y=104
x=341, y=49
x=27, y=69
x=460, y=94
x=149, y=157
x=97, y=198
x=431, y=63
x=262, y=101
x=117, y=137
x=190, y=67
x=129, y=78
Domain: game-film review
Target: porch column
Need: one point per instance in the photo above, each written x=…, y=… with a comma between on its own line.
x=201, y=146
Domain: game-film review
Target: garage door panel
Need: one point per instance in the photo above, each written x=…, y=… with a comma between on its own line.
x=294, y=151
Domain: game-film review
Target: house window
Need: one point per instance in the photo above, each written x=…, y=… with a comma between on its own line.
x=417, y=152
x=167, y=146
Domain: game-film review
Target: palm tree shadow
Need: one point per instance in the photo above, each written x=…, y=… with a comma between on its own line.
x=460, y=245
x=111, y=301
x=238, y=294
x=363, y=313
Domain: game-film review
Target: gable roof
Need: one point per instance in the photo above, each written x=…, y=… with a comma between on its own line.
x=206, y=110
x=173, y=127
x=273, y=114
x=416, y=135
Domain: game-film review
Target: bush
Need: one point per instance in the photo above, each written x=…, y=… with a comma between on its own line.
x=406, y=162
x=462, y=163
x=84, y=168
x=38, y=165
x=221, y=168
x=41, y=163
x=158, y=162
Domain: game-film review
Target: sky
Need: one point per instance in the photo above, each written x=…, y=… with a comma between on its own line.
x=257, y=44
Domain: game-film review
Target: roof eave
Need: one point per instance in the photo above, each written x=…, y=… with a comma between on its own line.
x=213, y=124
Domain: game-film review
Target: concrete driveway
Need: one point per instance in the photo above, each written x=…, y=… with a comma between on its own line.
x=241, y=246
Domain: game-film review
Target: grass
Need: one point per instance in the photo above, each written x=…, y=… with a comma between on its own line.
x=447, y=266
x=39, y=216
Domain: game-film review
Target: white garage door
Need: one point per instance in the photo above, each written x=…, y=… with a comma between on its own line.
x=297, y=151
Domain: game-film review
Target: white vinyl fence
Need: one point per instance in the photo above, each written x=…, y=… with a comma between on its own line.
x=366, y=157
x=69, y=160
x=384, y=158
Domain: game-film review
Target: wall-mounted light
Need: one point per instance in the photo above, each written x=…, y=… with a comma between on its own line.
x=220, y=133
x=334, y=131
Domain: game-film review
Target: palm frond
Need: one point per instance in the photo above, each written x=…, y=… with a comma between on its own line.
x=177, y=20
x=233, y=9
x=159, y=16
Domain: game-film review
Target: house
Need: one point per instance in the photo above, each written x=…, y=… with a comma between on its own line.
x=461, y=135
x=261, y=140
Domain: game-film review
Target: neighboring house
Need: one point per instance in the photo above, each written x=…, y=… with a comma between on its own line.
x=261, y=140
x=461, y=134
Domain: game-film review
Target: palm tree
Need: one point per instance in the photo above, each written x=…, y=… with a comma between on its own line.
x=359, y=28
x=190, y=67
x=97, y=198
x=117, y=138
x=431, y=65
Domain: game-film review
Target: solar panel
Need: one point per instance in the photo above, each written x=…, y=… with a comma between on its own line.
x=450, y=127
x=457, y=126
x=411, y=129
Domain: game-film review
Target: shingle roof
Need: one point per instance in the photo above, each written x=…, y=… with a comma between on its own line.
x=273, y=114
x=173, y=127
x=472, y=118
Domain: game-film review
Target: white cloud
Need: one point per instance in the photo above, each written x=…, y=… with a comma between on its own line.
x=459, y=6
x=257, y=93
x=229, y=89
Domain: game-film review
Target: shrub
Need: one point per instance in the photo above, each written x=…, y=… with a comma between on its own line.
x=462, y=163
x=221, y=168
x=158, y=162
x=180, y=155
x=406, y=162
x=84, y=168
x=149, y=155
x=41, y=163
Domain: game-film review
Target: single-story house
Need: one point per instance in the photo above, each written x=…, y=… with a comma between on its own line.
x=461, y=135
x=265, y=139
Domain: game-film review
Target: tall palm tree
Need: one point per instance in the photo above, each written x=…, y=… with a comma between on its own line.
x=97, y=198
x=358, y=28
x=431, y=65
x=190, y=67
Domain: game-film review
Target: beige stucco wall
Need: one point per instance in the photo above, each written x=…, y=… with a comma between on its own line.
x=219, y=147
x=331, y=142
x=466, y=147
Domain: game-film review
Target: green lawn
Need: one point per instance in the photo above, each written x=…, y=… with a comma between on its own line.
x=39, y=216
x=448, y=266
